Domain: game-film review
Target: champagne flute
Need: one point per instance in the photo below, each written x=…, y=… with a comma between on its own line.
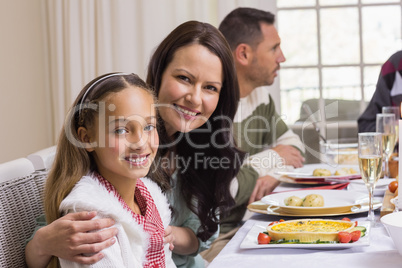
x=393, y=110
x=370, y=164
x=385, y=124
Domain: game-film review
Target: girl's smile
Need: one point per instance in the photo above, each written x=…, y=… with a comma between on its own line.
x=138, y=160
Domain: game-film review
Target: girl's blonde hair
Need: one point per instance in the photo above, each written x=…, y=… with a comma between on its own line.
x=72, y=161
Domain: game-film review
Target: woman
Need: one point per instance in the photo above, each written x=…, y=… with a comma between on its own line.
x=193, y=74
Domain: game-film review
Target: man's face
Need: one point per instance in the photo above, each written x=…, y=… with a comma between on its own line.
x=267, y=57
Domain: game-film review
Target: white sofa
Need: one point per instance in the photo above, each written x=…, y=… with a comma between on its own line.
x=22, y=183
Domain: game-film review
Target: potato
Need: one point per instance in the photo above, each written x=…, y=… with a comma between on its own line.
x=293, y=201
x=319, y=172
x=313, y=200
x=345, y=171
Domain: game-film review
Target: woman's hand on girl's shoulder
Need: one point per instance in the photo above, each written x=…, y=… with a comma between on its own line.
x=71, y=236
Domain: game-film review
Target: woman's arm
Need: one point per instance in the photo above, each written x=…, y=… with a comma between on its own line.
x=70, y=236
x=185, y=241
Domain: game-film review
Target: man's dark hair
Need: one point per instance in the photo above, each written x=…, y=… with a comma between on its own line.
x=242, y=25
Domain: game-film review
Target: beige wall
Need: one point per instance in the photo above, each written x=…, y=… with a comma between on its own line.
x=25, y=113
x=23, y=107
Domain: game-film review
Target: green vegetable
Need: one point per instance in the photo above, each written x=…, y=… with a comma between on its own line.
x=362, y=229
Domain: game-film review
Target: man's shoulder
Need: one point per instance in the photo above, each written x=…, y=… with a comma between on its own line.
x=255, y=103
x=260, y=94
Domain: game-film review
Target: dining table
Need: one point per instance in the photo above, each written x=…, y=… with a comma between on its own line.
x=378, y=250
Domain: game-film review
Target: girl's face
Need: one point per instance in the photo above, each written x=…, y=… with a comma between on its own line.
x=125, y=135
x=190, y=88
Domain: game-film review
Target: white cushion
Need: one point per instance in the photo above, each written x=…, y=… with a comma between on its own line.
x=20, y=167
x=43, y=159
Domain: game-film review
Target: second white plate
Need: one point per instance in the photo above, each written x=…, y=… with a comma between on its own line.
x=335, y=201
x=332, y=198
x=306, y=172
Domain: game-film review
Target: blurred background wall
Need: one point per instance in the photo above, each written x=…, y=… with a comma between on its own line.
x=24, y=101
x=50, y=49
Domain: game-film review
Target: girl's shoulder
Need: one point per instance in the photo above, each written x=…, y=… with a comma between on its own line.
x=89, y=194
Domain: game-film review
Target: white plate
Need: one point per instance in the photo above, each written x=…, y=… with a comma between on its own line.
x=306, y=172
x=332, y=198
x=262, y=208
x=250, y=241
x=379, y=190
x=335, y=201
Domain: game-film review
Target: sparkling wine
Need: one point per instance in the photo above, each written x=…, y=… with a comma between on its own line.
x=388, y=143
x=370, y=167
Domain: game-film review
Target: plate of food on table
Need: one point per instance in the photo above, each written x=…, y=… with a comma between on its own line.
x=308, y=233
x=313, y=203
x=320, y=174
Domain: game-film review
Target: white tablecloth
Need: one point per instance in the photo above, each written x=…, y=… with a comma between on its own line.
x=380, y=253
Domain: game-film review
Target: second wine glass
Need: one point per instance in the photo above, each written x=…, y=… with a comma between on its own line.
x=385, y=124
x=370, y=164
x=393, y=110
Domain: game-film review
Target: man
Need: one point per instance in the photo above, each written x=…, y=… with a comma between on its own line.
x=261, y=132
x=388, y=92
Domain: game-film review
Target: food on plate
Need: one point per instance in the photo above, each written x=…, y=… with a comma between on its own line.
x=320, y=172
x=313, y=200
x=344, y=237
x=310, y=230
x=355, y=235
x=393, y=186
x=263, y=238
x=293, y=201
x=345, y=171
x=347, y=156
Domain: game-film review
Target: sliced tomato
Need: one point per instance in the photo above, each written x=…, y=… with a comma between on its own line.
x=263, y=238
x=272, y=223
x=346, y=219
x=344, y=237
x=355, y=235
x=356, y=223
x=281, y=220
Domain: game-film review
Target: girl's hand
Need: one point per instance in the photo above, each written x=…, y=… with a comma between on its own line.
x=169, y=237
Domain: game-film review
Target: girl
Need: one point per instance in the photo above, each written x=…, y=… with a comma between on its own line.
x=107, y=146
x=193, y=75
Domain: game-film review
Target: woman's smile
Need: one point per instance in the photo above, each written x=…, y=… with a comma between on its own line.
x=188, y=113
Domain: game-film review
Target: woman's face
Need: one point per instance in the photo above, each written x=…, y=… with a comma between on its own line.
x=190, y=88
